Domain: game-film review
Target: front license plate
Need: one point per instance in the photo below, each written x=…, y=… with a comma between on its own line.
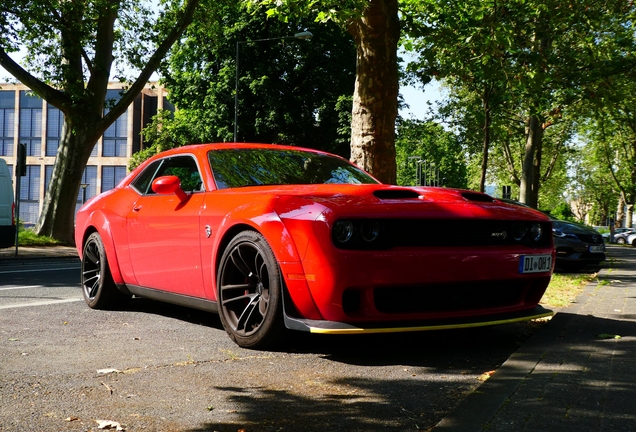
x=597, y=249
x=535, y=263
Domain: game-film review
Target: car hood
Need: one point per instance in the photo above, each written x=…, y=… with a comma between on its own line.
x=573, y=228
x=396, y=201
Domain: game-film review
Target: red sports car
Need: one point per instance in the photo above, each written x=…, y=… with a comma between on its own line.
x=275, y=237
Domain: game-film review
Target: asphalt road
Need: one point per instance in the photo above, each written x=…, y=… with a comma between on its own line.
x=157, y=367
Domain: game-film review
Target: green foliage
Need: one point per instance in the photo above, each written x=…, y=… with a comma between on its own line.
x=289, y=91
x=563, y=211
x=438, y=151
x=27, y=237
x=517, y=61
x=341, y=12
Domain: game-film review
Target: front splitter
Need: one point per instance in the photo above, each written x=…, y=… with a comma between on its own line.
x=340, y=328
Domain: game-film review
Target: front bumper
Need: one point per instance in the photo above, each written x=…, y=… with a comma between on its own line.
x=333, y=327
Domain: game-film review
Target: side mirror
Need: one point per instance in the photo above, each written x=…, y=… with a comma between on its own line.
x=169, y=185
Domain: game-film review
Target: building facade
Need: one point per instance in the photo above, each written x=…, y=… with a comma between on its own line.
x=27, y=119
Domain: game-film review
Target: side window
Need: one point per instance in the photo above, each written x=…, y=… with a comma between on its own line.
x=183, y=167
x=144, y=180
x=186, y=169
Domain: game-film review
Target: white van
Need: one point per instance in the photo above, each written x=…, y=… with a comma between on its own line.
x=7, y=207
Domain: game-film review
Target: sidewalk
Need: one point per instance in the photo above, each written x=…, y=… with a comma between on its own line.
x=38, y=252
x=578, y=373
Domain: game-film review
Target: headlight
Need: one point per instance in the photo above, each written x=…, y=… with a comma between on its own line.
x=536, y=232
x=343, y=231
x=518, y=231
x=559, y=233
x=369, y=230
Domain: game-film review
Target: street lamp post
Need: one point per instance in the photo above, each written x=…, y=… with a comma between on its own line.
x=301, y=35
x=83, y=186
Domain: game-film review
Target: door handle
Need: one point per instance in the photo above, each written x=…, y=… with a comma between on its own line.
x=137, y=208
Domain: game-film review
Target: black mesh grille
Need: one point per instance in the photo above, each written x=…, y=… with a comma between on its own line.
x=591, y=238
x=453, y=233
x=458, y=297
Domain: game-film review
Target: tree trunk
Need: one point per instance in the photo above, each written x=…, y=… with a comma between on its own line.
x=376, y=90
x=58, y=210
x=530, y=175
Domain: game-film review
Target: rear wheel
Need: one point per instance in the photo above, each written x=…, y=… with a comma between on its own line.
x=249, y=291
x=98, y=287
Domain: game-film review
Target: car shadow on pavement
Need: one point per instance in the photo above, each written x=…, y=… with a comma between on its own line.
x=182, y=313
x=584, y=378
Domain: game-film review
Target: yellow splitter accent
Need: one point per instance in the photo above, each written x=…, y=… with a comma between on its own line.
x=547, y=313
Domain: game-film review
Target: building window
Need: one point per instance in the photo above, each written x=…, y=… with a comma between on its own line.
x=54, y=124
x=7, y=117
x=30, y=195
x=31, y=123
x=115, y=141
x=112, y=176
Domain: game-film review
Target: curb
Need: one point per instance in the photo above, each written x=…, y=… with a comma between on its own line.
x=478, y=409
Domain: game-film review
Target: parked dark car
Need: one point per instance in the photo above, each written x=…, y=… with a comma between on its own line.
x=576, y=244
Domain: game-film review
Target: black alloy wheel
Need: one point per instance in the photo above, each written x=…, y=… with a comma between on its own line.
x=249, y=291
x=98, y=287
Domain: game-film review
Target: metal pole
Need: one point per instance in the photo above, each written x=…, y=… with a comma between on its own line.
x=17, y=210
x=236, y=90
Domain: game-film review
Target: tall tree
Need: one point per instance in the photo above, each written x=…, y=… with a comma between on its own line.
x=611, y=134
x=549, y=53
x=375, y=28
x=466, y=45
x=71, y=49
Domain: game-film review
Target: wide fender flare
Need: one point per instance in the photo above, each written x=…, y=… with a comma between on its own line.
x=101, y=223
x=272, y=227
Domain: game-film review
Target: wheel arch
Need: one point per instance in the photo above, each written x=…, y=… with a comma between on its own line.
x=285, y=251
x=100, y=224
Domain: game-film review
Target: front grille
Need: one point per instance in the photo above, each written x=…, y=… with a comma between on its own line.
x=590, y=238
x=459, y=297
x=460, y=233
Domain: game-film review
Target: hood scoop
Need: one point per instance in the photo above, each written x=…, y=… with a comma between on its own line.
x=396, y=194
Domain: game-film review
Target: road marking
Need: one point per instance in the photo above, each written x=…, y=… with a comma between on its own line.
x=39, y=270
x=17, y=287
x=41, y=303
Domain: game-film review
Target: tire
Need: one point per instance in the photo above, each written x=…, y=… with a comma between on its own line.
x=250, y=292
x=620, y=240
x=98, y=287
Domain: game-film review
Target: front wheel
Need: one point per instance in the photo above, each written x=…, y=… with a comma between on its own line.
x=249, y=291
x=98, y=287
x=620, y=240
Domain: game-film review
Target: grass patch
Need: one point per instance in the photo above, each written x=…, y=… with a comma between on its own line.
x=565, y=287
x=26, y=237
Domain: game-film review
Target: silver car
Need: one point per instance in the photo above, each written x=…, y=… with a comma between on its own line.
x=621, y=235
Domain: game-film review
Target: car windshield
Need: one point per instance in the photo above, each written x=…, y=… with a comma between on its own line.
x=254, y=167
